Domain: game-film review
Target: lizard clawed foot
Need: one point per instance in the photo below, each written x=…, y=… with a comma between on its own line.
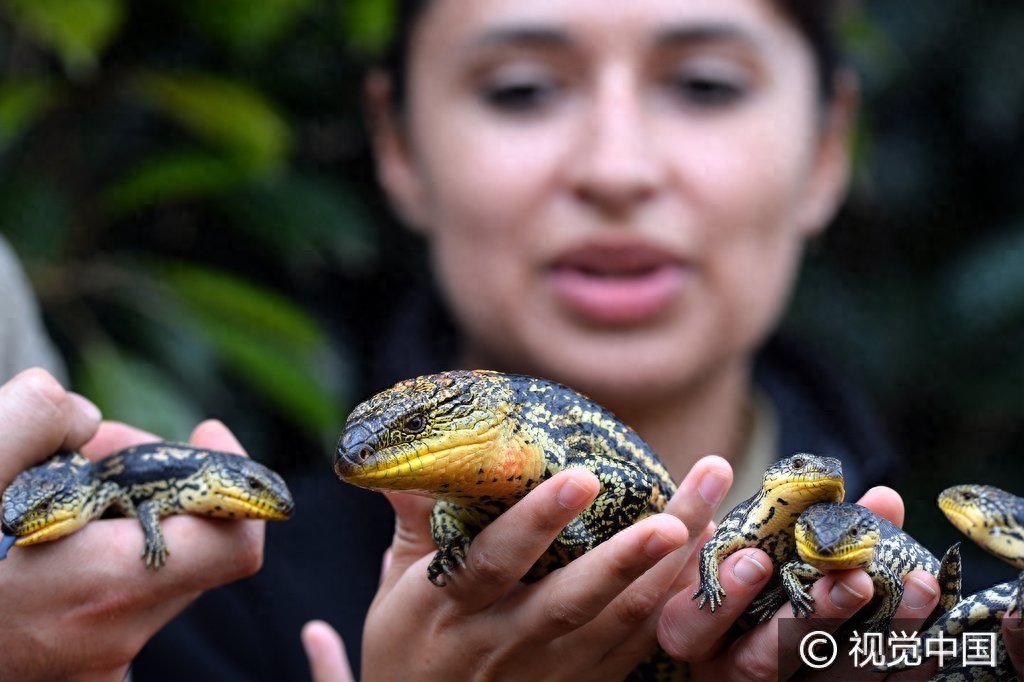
x=447, y=560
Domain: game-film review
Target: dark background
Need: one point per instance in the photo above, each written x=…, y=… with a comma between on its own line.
x=189, y=187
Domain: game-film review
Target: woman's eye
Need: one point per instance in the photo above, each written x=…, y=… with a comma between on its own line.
x=709, y=81
x=709, y=92
x=519, y=97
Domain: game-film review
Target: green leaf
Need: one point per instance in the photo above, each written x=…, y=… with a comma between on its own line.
x=174, y=177
x=273, y=346
x=21, y=104
x=311, y=220
x=244, y=26
x=129, y=389
x=77, y=30
x=225, y=113
x=368, y=24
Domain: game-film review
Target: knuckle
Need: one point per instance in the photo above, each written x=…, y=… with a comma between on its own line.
x=486, y=570
x=677, y=637
x=564, y=615
x=637, y=605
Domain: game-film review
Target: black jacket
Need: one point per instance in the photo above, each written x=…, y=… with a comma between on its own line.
x=325, y=563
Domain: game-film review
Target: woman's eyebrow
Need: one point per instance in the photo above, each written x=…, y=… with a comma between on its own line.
x=521, y=36
x=682, y=35
x=696, y=34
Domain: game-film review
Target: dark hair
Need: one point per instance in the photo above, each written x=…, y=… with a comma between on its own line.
x=815, y=19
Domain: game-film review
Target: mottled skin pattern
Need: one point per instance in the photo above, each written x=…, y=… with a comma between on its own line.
x=994, y=519
x=980, y=612
x=479, y=441
x=149, y=482
x=766, y=521
x=842, y=535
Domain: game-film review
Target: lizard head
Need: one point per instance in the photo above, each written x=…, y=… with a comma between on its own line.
x=988, y=515
x=437, y=435
x=834, y=536
x=46, y=502
x=242, y=488
x=804, y=479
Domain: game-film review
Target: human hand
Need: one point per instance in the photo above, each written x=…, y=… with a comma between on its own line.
x=702, y=638
x=80, y=608
x=593, y=619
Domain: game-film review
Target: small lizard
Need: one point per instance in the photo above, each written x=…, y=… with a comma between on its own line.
x=61, y=495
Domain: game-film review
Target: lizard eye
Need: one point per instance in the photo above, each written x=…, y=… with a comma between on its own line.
x=798, y=462
x=255, y=483
x=414, y=423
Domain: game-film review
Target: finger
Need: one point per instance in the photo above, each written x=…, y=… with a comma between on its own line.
x=885, y=502
x=214, y=435
x=113, y=436
x=575, y=594
x=920, y=597
x=695, y=503
x=39, y=418
x=700, y=493
x=689, y=633
x=326, y=653
x=412, y=540
x=1013, y=638
x=506, y=549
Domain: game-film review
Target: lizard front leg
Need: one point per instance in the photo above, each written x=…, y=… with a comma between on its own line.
x=795, y=575
x=453, y=527
x=155, y=547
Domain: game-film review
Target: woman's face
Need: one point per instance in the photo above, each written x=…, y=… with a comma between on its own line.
x=615, y=194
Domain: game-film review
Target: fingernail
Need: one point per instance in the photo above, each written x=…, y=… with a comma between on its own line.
x=845, y=597
x=658, y=545
x=572, y=495
x=749, y=570
x=712, y=488
x=918, y=594
x=87, y=407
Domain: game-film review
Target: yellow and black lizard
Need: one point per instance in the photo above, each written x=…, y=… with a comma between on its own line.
x=479, y=441
x=994, y=519
x=843, y=535
x=149, y=482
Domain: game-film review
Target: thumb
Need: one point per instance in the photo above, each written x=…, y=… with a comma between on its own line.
x=413, y=539
x=326, y=653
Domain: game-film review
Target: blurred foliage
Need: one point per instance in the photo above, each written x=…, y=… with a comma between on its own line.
x=189, y=186
x=185, y=183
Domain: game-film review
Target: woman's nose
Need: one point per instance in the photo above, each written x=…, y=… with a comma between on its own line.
x=616, y=164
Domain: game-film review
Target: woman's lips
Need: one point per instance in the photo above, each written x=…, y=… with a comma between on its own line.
x=617, y=286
